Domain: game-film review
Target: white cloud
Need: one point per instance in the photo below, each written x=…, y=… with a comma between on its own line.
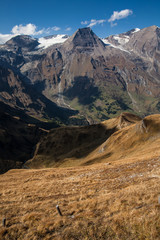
x=93, y=22
x=68, y=29
x=119, y=15
x=84, y=22
x=29, y=29
x=55, y=28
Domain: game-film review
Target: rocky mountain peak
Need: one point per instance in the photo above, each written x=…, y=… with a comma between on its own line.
x=84, y=38
x=145, y=42
x=23, y=42
x=130, y=32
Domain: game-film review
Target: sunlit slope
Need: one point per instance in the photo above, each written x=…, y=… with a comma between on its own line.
x=138, y=141
x=73, y=146
x=116, y=201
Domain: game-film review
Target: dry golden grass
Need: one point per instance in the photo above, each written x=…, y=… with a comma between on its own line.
x=103, y=201
x=140, y=140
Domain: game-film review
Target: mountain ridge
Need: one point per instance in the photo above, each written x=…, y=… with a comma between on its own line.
x=113, y=76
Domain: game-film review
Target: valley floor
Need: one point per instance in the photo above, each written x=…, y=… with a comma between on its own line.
x=114, y=200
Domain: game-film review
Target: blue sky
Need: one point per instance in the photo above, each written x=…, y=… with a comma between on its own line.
x=61, y=16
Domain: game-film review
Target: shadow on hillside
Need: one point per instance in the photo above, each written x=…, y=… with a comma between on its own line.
x=73, y=142
x=84, y=89
x=62, y=146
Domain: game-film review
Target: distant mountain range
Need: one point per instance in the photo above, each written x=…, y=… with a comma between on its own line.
x=78, y=80
x=82, y=79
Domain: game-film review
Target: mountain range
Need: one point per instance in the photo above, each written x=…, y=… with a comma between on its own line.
x=87, y=77
x=78, y=80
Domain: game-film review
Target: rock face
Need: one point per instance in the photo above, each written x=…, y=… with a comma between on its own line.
x=97, y=78
x=14, y=92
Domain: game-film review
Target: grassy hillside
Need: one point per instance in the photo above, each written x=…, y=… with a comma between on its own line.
x=73, y=146
x=116, y=200
x=140, y=140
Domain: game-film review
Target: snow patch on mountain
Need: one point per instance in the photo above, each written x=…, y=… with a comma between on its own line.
x=45, y=42
x=122, y=40
x=114, y=46
x=136, y=30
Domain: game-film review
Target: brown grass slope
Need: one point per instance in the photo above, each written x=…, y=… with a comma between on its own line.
x=103, y=201
x=140, y=140
x=71, y=146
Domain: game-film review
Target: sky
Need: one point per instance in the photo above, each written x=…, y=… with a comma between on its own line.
x=105, y=17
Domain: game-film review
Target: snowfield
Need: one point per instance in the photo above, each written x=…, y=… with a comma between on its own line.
x=47, y=42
